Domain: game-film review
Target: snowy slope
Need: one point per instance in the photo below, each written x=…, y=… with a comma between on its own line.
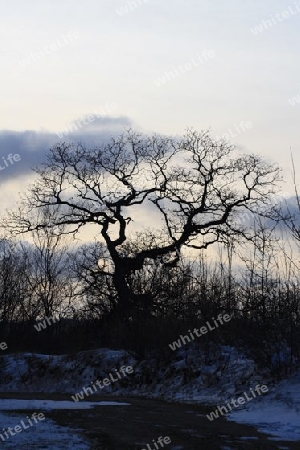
x=189, y=375
x=277, y=413
x=44, y=435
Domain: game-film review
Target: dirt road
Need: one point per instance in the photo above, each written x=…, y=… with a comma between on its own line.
x=132, y=427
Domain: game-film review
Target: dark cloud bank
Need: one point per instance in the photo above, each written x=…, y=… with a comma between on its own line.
x=33, y=146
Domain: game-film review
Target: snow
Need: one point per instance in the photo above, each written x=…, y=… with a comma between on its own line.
x=190, y=376
x=48, y=405
x=30, y=372
x=277, y=413
x=44, y=435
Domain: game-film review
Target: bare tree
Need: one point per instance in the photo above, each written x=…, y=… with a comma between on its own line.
x=96, y=291
x=195, y=183
x=48, y=275
x=289, y=213
x=11, y=281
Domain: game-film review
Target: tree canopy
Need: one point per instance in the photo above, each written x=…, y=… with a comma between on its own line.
x=197, y=185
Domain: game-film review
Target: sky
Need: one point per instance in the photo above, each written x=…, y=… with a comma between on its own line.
x=154, y=66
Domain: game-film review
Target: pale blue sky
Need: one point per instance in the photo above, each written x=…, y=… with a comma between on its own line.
x=117, y=58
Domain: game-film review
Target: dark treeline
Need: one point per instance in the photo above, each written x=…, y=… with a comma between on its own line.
x=65, y=293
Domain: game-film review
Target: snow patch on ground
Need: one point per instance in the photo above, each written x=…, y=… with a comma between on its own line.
x=44, y=435
x=48, y=405
x=277, y=413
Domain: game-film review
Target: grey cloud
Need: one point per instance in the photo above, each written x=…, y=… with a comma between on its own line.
x=107, y=124
x=33, y=146
x=289, y=208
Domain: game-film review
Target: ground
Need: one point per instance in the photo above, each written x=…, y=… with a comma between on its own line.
x=171, y=405
x=132, y=427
